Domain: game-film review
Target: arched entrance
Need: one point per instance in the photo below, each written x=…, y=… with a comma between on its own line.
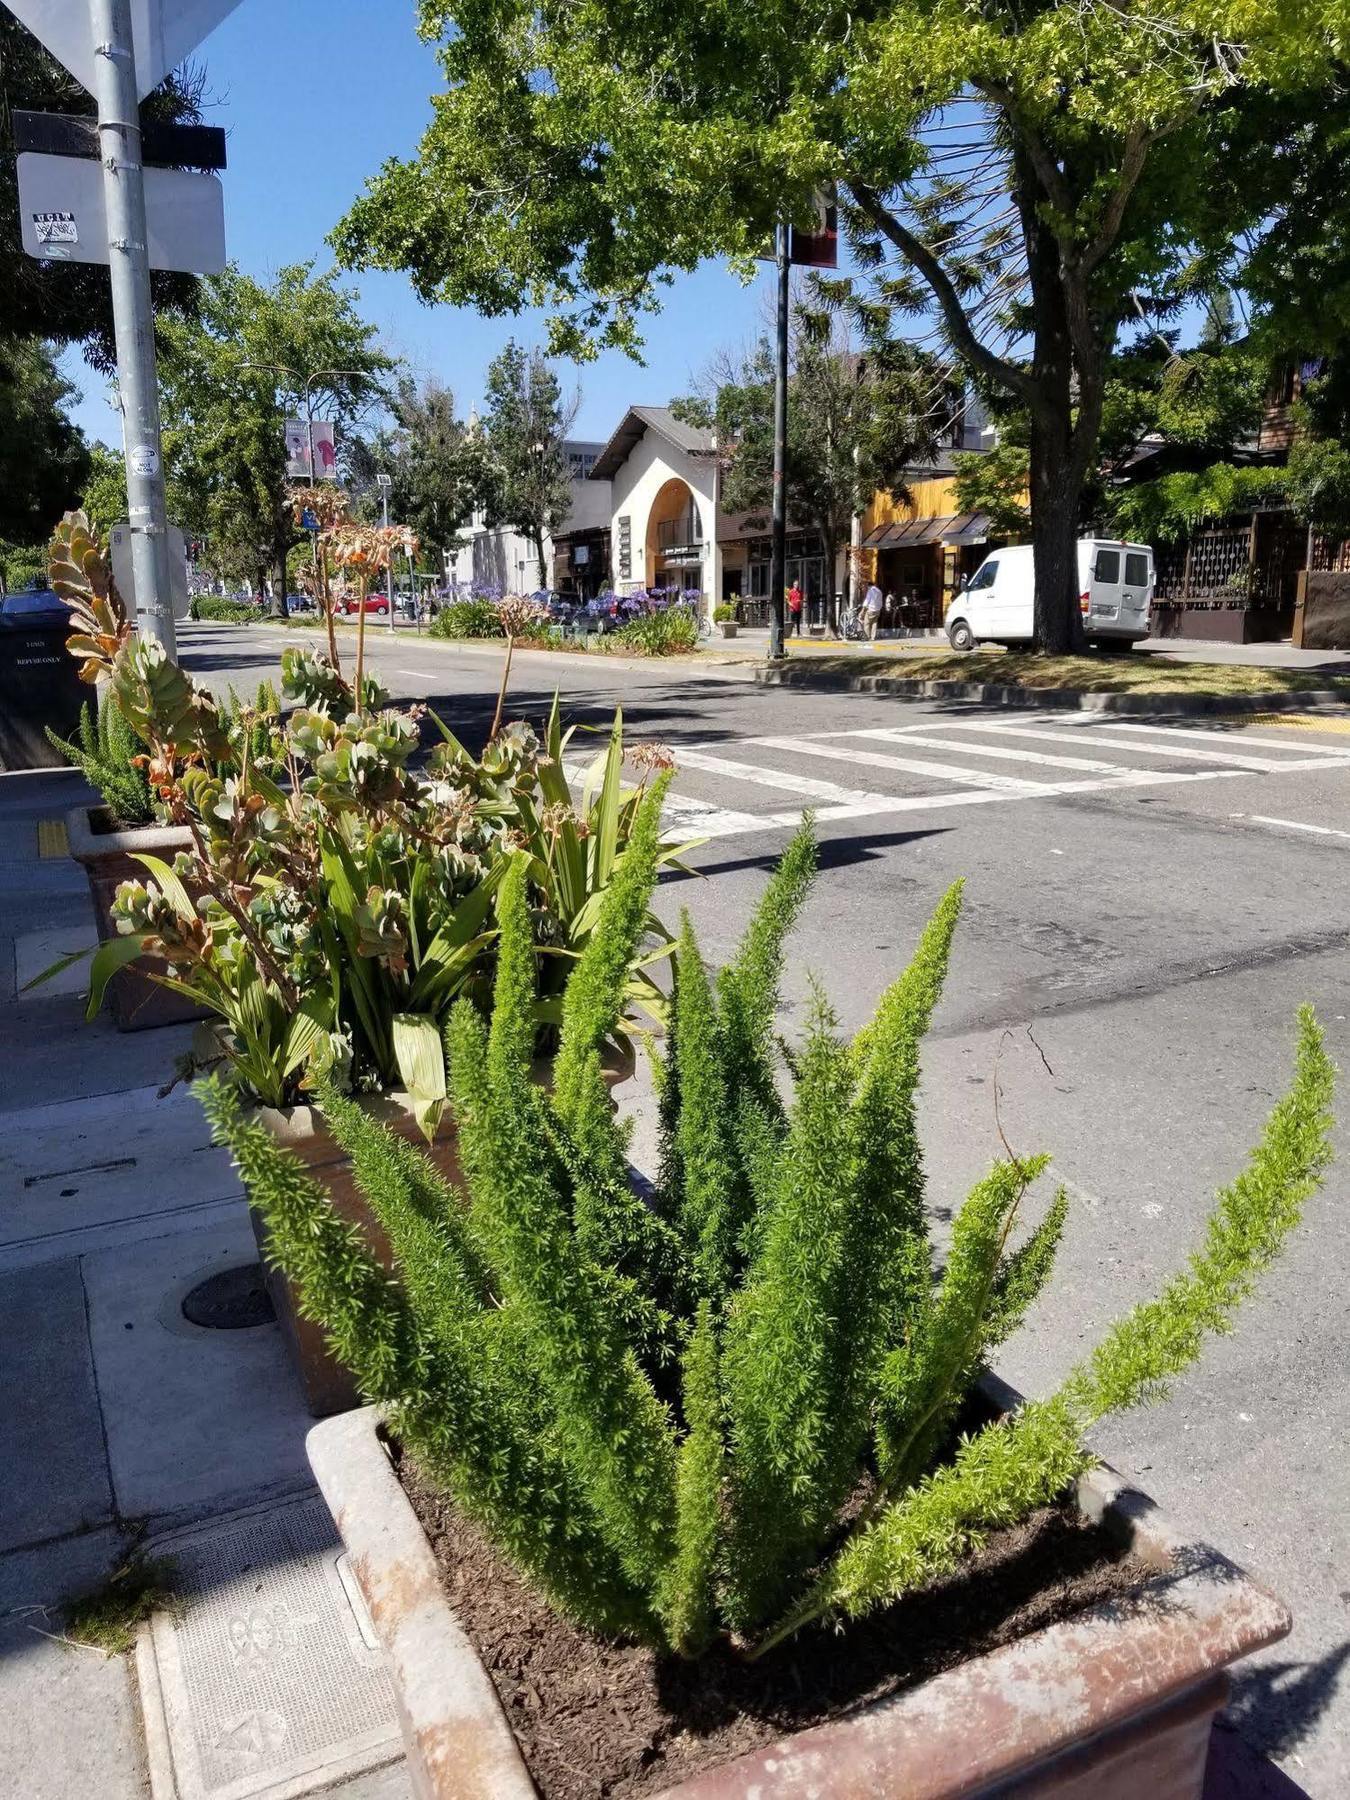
x=675, y=539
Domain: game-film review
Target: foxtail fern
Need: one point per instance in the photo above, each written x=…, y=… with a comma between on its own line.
x=729, y=1408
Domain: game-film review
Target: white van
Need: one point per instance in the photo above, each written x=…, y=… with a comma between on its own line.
x=1115, y=582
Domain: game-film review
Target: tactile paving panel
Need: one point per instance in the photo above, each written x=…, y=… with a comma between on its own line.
x=265, y=1684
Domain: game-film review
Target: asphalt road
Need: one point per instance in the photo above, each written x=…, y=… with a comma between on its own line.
x=1145, y=908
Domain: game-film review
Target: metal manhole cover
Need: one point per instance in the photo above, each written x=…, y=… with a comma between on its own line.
x=232, y=1300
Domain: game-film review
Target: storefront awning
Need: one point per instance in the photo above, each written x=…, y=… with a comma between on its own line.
x=950, y=528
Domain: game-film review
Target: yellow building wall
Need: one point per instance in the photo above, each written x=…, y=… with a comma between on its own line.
x=930, y=498
x=933, y=498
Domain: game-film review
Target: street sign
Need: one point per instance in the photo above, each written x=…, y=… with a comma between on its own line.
x=164, y=146
x=62, y=219
x=164, y=32
x=119, y=546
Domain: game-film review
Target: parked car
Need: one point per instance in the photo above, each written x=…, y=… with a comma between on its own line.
x=37, y=606
x=997, y=606
x=374, y=603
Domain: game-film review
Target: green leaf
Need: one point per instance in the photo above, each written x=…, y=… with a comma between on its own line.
x=169, y=884
x=61, y=963
x=421, y=1066
x=111, y=956
x=309, y=1028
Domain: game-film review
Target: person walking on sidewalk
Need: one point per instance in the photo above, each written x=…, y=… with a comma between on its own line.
x=794, y=610
x=873, y=601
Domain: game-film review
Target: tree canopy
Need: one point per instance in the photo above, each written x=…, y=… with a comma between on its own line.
x=524, y=476
x=44, y=459
x=1017, y=175
x=231, y=375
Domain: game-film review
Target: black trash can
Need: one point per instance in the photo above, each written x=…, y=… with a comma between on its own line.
x=39, y=681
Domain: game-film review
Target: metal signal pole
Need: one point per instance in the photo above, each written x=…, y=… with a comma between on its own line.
x=119, y=132
x=778, y=550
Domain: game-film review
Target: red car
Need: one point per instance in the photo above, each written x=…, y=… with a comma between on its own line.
x=374, y=603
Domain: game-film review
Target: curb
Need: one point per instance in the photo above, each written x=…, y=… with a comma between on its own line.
x=732, y=669
x=1065, y=699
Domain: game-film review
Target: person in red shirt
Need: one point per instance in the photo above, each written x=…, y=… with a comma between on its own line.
x=794, y=608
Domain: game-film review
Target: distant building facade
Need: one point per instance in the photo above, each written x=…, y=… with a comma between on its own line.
x=497, y=556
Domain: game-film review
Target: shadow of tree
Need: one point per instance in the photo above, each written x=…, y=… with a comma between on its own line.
x=1275, y=1705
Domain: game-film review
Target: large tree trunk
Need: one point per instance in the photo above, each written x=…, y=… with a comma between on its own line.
x=278, y=608
x=538, y=537
x=1055, y=496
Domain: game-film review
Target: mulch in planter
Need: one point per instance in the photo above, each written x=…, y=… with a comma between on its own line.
x=600, y=1719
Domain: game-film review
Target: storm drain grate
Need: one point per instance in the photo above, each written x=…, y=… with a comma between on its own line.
x=263, y=1684
x=233, y=1300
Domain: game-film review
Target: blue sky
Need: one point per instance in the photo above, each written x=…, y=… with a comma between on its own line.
x=315, y=96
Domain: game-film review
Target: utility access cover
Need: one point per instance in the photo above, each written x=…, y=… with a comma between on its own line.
x=163, y=31
x=266, y=1683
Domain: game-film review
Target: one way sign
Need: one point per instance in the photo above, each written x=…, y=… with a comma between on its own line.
x=164, y=32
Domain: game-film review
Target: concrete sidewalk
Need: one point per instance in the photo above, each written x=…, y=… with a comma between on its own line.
x=122, y=1422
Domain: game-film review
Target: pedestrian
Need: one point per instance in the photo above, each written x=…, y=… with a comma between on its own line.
x=873, y=601
x=794, y=606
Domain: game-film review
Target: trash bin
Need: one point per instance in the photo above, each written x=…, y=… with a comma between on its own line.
x=39, y=682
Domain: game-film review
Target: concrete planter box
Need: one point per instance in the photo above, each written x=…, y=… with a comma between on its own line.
x=137, y=1002
x=728, y=627
x=1113, y=1704
x=328, y=1385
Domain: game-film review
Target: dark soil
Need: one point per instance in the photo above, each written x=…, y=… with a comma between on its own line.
x=600, y=1719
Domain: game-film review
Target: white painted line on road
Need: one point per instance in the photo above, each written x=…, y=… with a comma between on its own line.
x=877, y=806
x=685, y=810
x=1233, y=758
x=1214, y=731
x=810, y=787
x=907, y=765
x=1293, y=825
x=907, y=735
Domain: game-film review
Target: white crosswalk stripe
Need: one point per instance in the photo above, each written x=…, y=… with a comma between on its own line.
x=1037, y=758
x=907, y=765
x=950, y=773
x=1182, y=753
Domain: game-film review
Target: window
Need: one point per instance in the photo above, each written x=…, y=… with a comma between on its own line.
x=580, y=463
x=985, y=577
x=1107, y=566
x=1136, y=569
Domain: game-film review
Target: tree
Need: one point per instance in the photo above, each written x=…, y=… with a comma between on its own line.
x=69, y=303
x=44, y=459
x=435, y=462
x=524, y=479
x=858, y=420
x=1018, y=174
x=230, y=376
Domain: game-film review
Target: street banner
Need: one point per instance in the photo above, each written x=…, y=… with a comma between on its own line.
x=62, y=216
x=325, y=450
x=817, y=247
x=163, y=31
x=297, y=451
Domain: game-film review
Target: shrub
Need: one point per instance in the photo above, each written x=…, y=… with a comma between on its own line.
x=107, y=754
x=671, y=632
x=728, y=1413
x=225, y=612
x=467, y=619
x=723, y=614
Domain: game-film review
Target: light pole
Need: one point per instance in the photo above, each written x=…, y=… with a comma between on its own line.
x=305, y=384
x=778, y=543
x=119, y=136
x=384, y=483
